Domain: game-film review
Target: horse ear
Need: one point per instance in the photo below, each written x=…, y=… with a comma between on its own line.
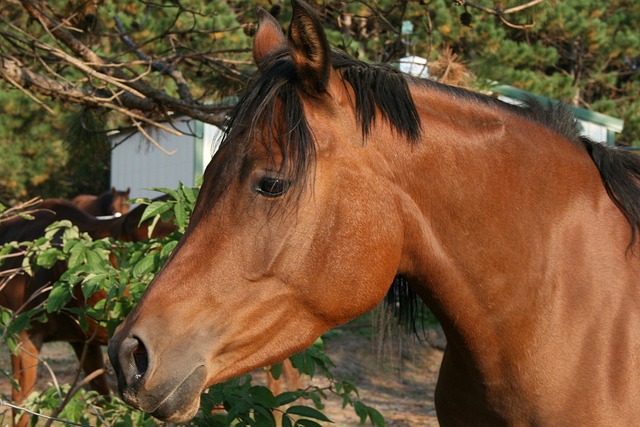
x=269, y=38
x=309, y=48
x=113, y=190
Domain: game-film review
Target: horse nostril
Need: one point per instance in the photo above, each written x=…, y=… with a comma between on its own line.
x=130, y=359
x=140, y=358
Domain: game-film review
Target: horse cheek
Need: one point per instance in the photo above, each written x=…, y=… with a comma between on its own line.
x=353, y=266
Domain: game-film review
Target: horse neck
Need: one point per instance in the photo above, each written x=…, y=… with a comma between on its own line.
x=490, y=201
x=105, y=203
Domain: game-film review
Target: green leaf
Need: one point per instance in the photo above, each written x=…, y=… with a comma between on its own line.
x=93, y=283
x=5, y=316
x=316, y=397
x=152, y=226
x=58, y=298
x=68, y=245
x=264, y=417
x=155, y=208
x=20, y=322
x=319, y=357
x=181, y=216
x=54, y=228
x=26, y=266
x=8, y=248
x=12, y=343
x=276, y=370
x=95, y=259
x=169, y=191
x=376, y=417
x=309, y=364
x=146, y=265
x=263, y=396
x=49, y=257
x=288, y=397
x=99, y=306
x=297, y=360
x=189, y=194
x=77, y=255
x=140, y=201
x=361, y=411
x=308, y=412
x=168, y=248
x=71, y=232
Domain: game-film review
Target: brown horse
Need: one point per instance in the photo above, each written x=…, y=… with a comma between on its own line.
x=23, y=292
x=112, y=202
x=336, y=177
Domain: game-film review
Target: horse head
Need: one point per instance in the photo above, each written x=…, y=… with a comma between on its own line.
x=280, y=246
x=119, y=201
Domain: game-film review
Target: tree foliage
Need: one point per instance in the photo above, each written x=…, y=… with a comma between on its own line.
x=586, y=53
x=140, y=63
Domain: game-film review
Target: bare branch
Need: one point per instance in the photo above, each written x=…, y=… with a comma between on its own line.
x=134, y=95
x=164, y=68
x=13, y=72
x=20, y=408
x=146, y=134
x=21, y=208
x=499, y=12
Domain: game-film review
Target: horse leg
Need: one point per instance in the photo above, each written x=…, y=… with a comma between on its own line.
x=290, y=375
x=90, y=355
x=275, y=385
x=25, y=372
x=289, y=379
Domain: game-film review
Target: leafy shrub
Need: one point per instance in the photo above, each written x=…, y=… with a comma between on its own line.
x=238, y=402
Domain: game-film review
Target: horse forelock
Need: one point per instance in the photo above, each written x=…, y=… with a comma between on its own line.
x=273, y=104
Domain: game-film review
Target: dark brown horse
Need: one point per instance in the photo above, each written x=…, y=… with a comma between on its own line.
x=336, y=177
x=114, y=202
x=23, y=292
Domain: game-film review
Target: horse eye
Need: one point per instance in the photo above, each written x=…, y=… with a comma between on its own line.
x=272, y=187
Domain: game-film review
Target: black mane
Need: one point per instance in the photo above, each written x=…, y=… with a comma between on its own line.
x=377, y=88
x=105, y=203
x=381, y=88
x=553, y=115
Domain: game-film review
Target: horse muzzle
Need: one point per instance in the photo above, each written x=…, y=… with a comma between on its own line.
x=175, y=398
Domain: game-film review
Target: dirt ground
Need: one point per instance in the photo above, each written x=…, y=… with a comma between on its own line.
x=397, y=377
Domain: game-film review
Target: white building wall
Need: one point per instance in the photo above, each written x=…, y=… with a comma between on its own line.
x=211, y=138
x=138, y=164
x=594, y=131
